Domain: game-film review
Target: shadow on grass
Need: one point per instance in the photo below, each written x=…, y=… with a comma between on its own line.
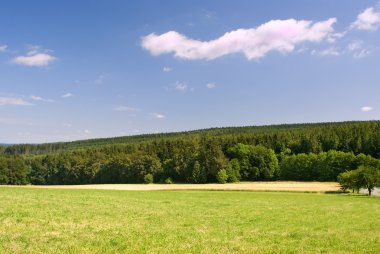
x=336, y=192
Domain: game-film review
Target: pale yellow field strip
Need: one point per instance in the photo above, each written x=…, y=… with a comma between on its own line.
x=248, y=186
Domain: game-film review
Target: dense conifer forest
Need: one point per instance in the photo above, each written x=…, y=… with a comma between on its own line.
x=308, y=152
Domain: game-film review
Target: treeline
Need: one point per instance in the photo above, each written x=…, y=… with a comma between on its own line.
x=13, y=170
x=309, y=152
x=356, y=137
x=183, y=161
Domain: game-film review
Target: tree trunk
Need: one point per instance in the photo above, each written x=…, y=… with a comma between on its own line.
x=369, y=191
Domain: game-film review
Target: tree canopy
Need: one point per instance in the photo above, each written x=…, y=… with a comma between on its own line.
x=308, y=152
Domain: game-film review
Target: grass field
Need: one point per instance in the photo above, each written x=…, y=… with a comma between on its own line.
x=112, y=221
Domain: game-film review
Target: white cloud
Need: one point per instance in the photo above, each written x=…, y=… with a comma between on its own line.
x=3, y=48
x=335, y=36
x=67, y=95
x=86, y=131
x=38, y=98
x=36, y=56
x=211, y=85
x=368, y=20
x=357, y=49
x=181, y=86
x=158, y=116
x=366, y=109
x=39, y=59
x=327, y=52
x=276, y=35
x=4, y=101
x=167, y=69
x=124, y=108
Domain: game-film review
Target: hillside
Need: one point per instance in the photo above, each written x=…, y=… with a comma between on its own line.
x=300, y=152
x=350, y=134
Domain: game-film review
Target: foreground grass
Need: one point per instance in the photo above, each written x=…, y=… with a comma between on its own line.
x=106, y=221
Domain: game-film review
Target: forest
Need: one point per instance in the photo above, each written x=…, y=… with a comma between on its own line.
x=302, y=152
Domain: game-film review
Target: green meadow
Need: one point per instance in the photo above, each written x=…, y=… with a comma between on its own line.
x=110, y=221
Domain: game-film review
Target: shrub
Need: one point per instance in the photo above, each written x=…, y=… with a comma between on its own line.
x=222, y=176
x=148, y=178
x=168, y=181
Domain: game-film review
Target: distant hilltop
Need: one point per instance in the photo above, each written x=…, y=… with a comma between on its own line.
x=356, y=136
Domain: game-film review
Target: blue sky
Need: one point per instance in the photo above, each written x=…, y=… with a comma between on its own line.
x=84, y=69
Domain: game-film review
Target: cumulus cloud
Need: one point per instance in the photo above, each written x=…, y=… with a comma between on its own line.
x=124, y=108
x=181, y=86
x=366, y=109
x=4, y=101
x=167, y=69
x=38, y=98
x=158, y=115
x=3, y=48
x=67, y=95
x=211, y=85
x=276, y=35
x=36, y=57
x=368, y=20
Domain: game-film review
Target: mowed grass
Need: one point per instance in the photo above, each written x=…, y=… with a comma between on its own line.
x=108, y=221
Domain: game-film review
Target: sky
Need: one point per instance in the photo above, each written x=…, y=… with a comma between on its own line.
x=74, y=70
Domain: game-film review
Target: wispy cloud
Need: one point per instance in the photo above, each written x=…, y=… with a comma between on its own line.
x=3, y=48
x=368, y=20
x=332, y=51
x=158, y=115
x=211, y=85
x=210, y=15
x=12, y=101
x=333, y=37
x=366, y=109
x=181, y=86
x=36, y=57
x=276, y=35
x=14, y=121
x=67, y=95
x=124, y=108
x=356, y=48
x=167, y=69
x=100, y=79
x=67, y=125
x=38, y=98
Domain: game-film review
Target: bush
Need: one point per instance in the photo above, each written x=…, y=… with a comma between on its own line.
x=168, y=181
x=222, y=176
x=148, y=178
